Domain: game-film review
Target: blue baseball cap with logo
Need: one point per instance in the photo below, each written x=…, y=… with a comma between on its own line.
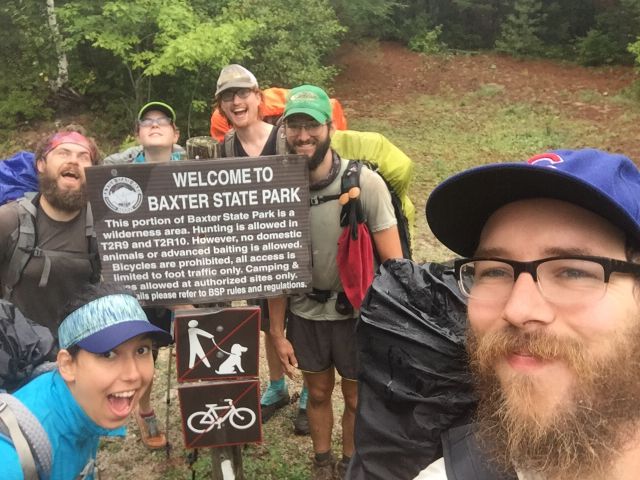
x=604, y=183
x=106, y=322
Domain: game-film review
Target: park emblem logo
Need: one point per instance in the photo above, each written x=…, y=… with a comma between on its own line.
x=122, y=195
x=304, y=97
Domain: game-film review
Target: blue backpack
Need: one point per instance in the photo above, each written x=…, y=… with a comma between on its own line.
x=18, y=176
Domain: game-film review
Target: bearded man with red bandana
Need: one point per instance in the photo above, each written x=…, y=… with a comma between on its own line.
x=62, y=259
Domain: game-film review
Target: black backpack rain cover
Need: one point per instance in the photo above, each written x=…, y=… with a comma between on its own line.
x=413, y=380
x=23, y=346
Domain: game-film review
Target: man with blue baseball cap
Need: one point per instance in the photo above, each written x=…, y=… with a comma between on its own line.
x=551, y=252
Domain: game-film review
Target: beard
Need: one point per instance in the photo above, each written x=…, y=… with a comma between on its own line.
x=577, y=438
x=322, y=147
x=66, y=200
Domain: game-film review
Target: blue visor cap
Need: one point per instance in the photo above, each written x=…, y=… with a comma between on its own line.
x=604, y=183
x=106, y=322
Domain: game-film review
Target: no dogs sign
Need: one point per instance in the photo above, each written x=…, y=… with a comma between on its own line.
x=217, y=344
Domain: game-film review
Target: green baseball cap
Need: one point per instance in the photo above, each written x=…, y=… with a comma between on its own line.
x=310, y=100
x=161, y=107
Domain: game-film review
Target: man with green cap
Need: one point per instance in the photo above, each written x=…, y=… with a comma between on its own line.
x=320, y=331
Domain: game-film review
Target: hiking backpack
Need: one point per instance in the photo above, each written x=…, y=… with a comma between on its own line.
x=22, y=429
x=17, y=176
x=414, y=381
x=24, y=345
x=25, y=246
x=375, y=152
x=25, y=348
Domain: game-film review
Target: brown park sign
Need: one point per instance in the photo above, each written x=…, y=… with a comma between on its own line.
x=217, y=344
x=204, y=231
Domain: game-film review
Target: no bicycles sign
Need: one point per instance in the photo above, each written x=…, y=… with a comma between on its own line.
x=220, y=414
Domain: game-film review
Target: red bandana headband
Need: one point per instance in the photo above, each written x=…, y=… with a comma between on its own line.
x=69, y=137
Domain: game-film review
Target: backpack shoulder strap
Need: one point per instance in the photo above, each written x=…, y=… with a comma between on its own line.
x=281, y=140
x=350, y=183
x=94, y=255
x=464, y=459
x=229, y=141
x=350, y=179
x=28, y=436
x=25, y=243
x=26, y=247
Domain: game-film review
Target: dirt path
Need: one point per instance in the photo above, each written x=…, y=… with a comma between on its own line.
x=377, y=74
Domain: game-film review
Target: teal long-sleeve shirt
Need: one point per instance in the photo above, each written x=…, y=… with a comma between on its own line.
x=74, y=437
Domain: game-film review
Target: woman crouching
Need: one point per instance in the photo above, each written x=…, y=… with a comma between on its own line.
x=104, y=366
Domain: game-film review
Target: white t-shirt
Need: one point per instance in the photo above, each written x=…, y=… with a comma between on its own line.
x=436, y=471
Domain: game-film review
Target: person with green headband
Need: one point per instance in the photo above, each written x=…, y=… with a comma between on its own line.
x=103, y=368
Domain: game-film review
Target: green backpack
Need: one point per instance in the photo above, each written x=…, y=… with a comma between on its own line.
x=376, y=152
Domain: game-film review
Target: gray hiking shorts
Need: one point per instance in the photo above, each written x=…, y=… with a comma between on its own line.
x=322, y=344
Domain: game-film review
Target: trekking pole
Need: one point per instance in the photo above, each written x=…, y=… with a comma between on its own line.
x=168, y=401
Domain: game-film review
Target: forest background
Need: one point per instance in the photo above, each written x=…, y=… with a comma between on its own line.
x=106, y=58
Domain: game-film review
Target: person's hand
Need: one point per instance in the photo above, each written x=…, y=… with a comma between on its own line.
x=286, y=354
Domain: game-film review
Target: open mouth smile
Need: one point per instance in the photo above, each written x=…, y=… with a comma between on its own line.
x=121, y=403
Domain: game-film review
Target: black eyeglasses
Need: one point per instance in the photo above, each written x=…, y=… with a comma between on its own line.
x=571, y=279
x=227, y=95
x=295, y=127
x=148, y=122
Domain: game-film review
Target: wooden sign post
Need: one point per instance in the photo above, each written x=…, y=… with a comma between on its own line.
x=217, y=358
x=207, y=231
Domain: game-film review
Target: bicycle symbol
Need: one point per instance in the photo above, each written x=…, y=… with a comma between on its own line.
x=204, y=421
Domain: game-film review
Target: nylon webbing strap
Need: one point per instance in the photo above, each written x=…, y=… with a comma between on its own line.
x=229, y=140
x=19, y=442
x=25, y=241
x=281, y=141
x=88, y=470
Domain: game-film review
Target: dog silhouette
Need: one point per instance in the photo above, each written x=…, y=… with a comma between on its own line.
x=233, y=362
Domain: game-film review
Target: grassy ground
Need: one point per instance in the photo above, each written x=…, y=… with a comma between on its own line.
x=443, y=134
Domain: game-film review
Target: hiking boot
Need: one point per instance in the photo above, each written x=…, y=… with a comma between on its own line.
x=340, y=470
x=301, y=423
x=275, y=397
x=150, y=434
x=323, y=470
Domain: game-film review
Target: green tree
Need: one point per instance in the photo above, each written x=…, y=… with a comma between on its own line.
x=28, y=62
x=154, y=38
x=521, y=29
x=290, y=46
x=364, y=18
x=616, y=26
